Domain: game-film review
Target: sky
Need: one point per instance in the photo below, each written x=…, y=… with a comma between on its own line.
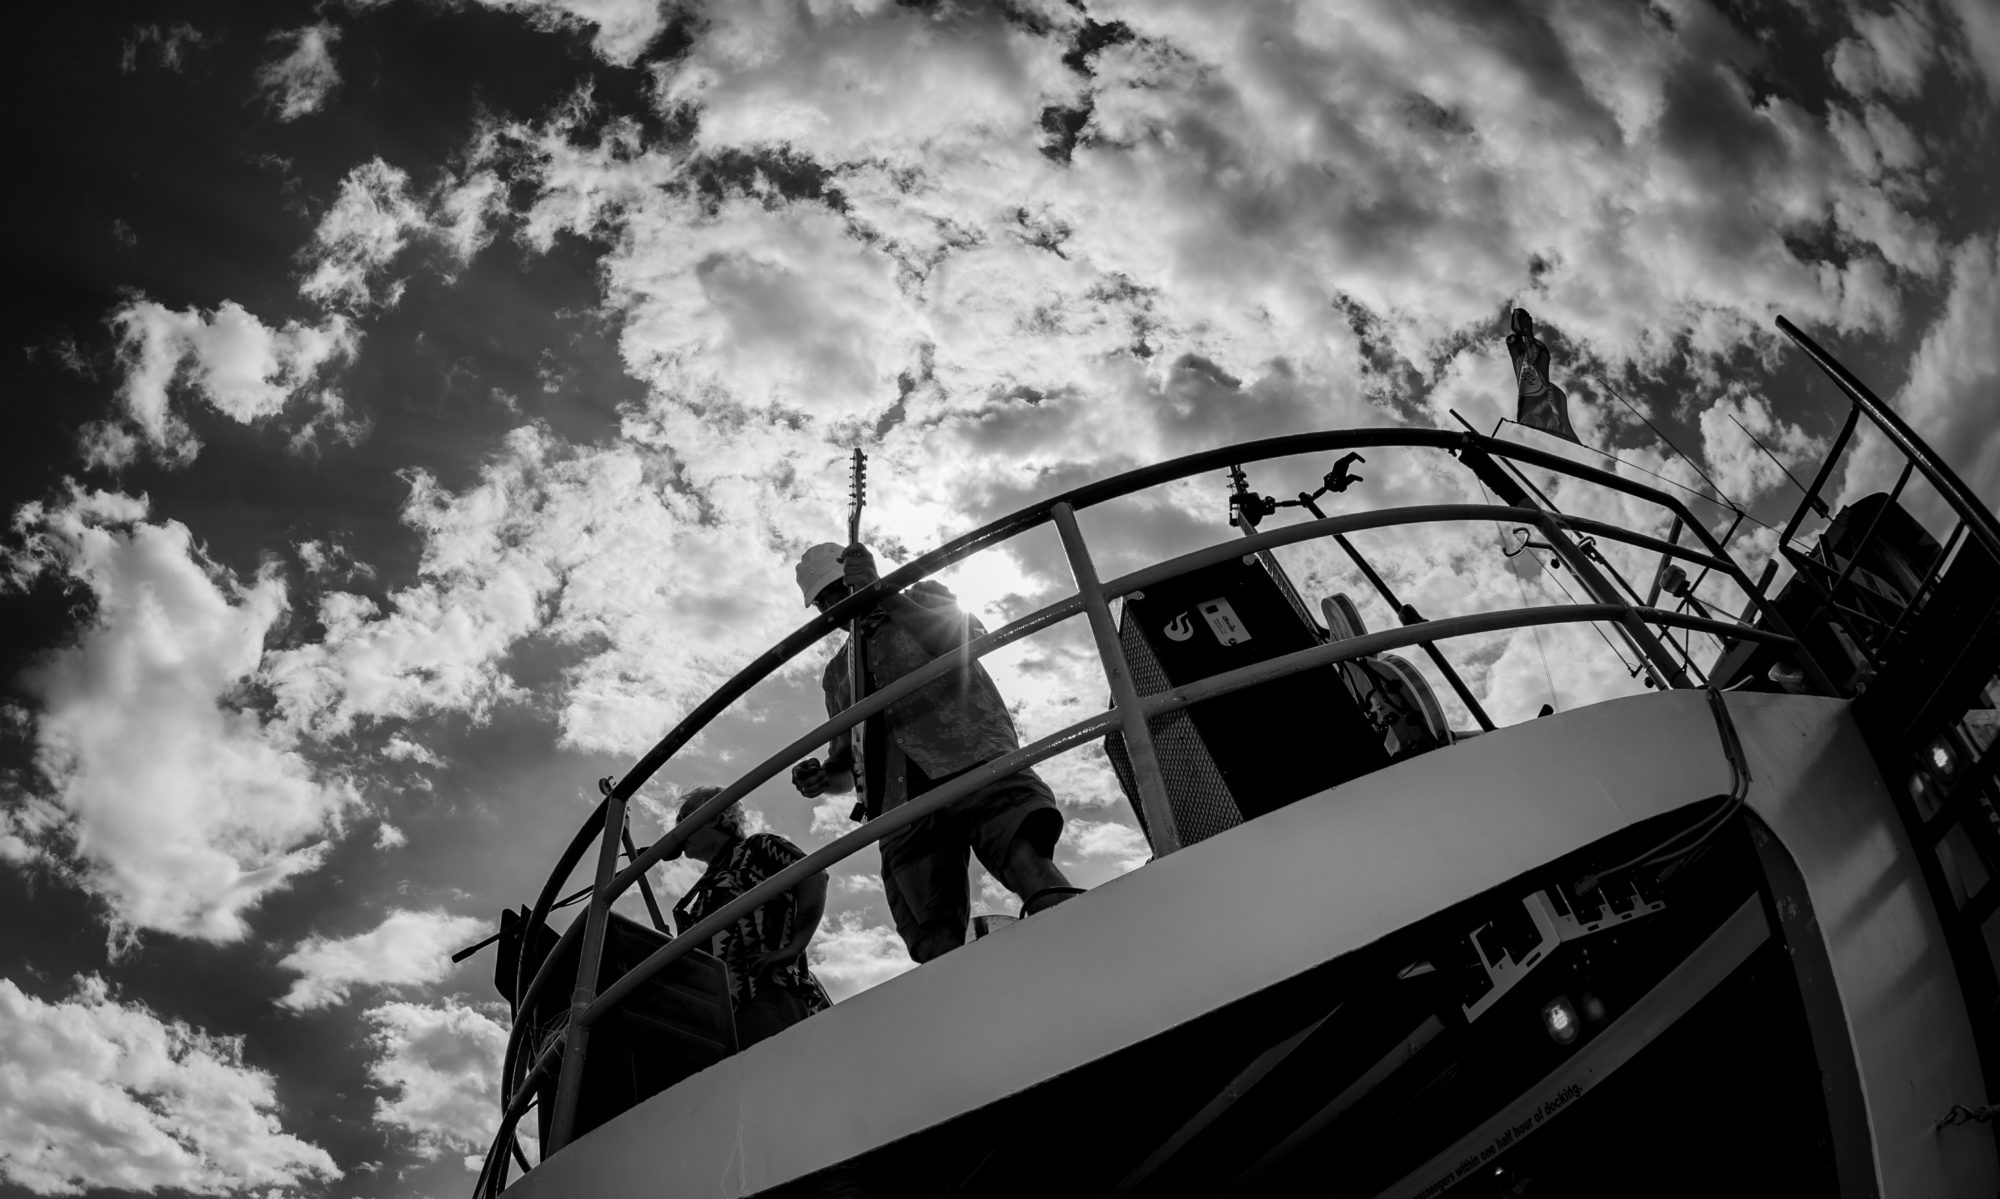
x=418, y=406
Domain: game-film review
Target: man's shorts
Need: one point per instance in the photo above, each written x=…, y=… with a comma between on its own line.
x=924, y=865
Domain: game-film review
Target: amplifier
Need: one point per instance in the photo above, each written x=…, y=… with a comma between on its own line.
x=1240, y=755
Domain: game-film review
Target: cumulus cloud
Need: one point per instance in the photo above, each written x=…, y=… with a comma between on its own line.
x=369, y=223
x=180, y=807
x=408, y=949
x=849, y=956
x=300, y=82
x=1889, y=52
x=1980, y=24
x=388, y=836
x=439, y=1069
x=1124, y=845
x=623, y=28
x=169, y=44
x=98, y=1094
x=602, y=549
x=229, y=359
x=1739, y=467
x=376, y=217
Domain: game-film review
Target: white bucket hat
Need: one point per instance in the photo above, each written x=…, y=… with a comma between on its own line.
x=819, y=568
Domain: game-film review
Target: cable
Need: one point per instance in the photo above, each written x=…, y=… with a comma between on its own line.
x=1540, y=648
x=1629, y=668
x=1708, y=826
x=1723, y=503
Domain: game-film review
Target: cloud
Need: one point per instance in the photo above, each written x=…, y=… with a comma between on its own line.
x=388, y=836
x=170, y=45
x=401, y=749
x=1889, y=53
x=98, y=1094
x=624, y=27
x=1737, y=465
x=857, y=884
x=850, y=956
x=300, y=82
x=602, y=549
x=368, y=224
x=408, y=949
x=375, y=218
x=439, y=1069
x=1980, y=23
x=229, y=359
x=1123, y=844
x=180, y=807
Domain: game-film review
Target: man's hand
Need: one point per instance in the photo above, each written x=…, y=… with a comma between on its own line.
x=814, y=780
x=859, y=567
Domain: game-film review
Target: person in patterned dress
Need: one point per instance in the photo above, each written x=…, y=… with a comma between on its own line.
x=956, y=724
x=770, y=982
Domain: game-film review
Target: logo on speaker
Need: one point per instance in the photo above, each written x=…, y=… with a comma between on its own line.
x=1180, y=628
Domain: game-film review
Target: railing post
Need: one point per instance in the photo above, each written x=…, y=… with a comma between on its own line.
x=1981, y=524
x=1652, y=653
x=1408, y=615
x=590, y=955
x=1165, y=836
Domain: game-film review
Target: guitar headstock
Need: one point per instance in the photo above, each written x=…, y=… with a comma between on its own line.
x=857, y=493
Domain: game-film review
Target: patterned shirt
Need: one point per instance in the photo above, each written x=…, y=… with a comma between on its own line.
x=952, y=724
x=746, y=863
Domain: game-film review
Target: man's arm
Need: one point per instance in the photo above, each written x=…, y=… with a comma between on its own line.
x=940, y=629
x=812, y=909
x=813, y=778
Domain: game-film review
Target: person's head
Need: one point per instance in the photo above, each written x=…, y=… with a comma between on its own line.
x=722, y=830
x=820, y=576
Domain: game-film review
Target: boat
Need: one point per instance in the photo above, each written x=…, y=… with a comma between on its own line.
x=1734, y=935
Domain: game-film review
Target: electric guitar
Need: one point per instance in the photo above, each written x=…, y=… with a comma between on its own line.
x=858, y=490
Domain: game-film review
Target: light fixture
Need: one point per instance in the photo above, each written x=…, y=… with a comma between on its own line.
x=1560, y=1019
x=1942, y=759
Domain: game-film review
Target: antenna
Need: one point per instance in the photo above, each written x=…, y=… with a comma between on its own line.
x=1734, y=506
x=1818, y=504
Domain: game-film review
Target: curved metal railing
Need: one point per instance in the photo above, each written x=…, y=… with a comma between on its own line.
x=1130, y=713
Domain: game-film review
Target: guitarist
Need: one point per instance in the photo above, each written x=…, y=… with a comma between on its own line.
x=955, y=724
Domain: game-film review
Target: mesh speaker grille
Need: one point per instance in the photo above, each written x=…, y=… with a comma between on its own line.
x=1201, y=802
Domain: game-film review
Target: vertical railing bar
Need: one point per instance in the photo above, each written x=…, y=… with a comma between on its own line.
x=1819, y=480
x=590, y=956
x=1651, y=652
x=1868, y=534
x=1705, y=571
x=1146, y=772
x=1931, y=576
x=1602, y=587
x=1766, y=607
x=1408, y=616
x=1984, y=526
x=645, y=885
x=1660, y=572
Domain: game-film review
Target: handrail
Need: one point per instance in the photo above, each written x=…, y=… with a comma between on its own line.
x=1091, y=727
x=1980, y=521
x=611, y=882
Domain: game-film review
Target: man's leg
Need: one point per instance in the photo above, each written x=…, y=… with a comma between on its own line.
x=1030, y=867
x=1017, y=826
x=924, y=878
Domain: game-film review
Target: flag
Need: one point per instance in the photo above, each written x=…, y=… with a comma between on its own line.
x=1542, y=404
